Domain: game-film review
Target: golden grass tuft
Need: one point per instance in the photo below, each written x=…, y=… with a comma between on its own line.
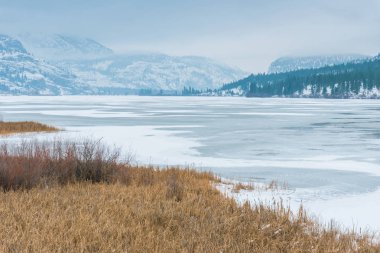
x=145, y=209
x=7, y=128
x=243, y=186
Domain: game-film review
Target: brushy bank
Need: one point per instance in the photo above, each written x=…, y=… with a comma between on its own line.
x=79, y=197
x=7, y=128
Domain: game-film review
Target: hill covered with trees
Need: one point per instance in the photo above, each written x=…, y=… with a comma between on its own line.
x=350, y=80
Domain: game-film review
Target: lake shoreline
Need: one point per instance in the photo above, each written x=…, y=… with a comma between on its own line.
x=91, y=202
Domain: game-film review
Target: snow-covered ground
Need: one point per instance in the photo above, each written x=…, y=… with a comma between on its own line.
x=327, y=151
x=354, y=212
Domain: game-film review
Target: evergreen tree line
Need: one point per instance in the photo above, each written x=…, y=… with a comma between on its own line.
x=190, y=91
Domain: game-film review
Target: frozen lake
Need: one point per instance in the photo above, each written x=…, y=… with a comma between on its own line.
x=327, y=151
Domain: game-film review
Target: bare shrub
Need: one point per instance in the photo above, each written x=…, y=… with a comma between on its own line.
x=26, y=164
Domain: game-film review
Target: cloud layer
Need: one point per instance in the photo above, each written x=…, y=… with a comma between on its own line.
x=245, y=33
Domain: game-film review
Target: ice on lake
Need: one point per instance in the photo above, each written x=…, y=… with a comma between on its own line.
x=326, y=150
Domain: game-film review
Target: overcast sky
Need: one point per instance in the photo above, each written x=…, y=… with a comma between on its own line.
x=245, y=33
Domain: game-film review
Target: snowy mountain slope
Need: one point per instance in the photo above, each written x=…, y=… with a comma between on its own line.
x=286, y=64
x=153, y=71
x=21, y=73
x=73, y=65
x=63, y=47
x=97, y=67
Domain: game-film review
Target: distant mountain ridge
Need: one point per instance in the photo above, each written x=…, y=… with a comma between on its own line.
x=58, y=64
x=287, y=64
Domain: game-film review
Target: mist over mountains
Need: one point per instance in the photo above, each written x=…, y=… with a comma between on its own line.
x=57, y=47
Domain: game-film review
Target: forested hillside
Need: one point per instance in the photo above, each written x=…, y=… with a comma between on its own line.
x=352, y=80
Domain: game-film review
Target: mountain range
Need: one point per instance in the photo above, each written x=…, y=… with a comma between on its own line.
x=152, y=72
x=59, y=64
x=67, y=65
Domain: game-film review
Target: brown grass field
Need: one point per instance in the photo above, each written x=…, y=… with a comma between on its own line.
x=7, y=128
x=77, y=197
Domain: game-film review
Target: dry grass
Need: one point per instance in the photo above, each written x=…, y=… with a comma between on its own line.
x=149, y=210
x=251, y=186
x=7, y=128
x=243, y=186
